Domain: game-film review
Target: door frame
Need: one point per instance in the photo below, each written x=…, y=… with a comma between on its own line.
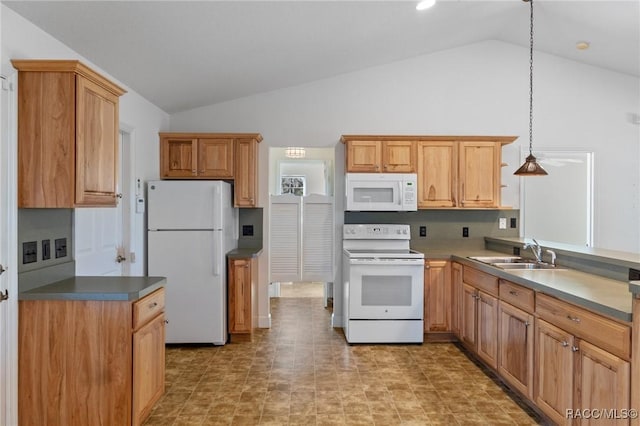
x=8, y=251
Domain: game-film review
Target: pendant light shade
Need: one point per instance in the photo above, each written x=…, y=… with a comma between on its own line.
x=530, y=166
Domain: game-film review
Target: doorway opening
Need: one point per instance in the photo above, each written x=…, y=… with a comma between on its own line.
x=301, y=224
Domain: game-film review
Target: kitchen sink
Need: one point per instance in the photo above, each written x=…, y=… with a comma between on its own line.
x=525, y=265
x=514, y=263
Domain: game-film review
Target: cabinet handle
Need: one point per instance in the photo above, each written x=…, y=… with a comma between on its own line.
x=513, y=292
x=386, y=165
x=153, y=305
x=193, y=171
x=574, y=319
x=166, y=321
x=575, y=348
x=246, y=266
x=565, y=344
x=427, y=266
x=527, y=323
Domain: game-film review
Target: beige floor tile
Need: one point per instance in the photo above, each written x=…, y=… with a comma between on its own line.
x=302, y=372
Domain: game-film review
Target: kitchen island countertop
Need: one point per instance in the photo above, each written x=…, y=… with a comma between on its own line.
x=96, y=288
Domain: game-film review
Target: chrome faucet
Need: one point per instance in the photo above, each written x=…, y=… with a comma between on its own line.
x=553, y=256
x=535, y=248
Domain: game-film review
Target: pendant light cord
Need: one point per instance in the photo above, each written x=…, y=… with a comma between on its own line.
x=531, y=82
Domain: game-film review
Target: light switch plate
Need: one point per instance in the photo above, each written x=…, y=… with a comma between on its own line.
x=503, y=223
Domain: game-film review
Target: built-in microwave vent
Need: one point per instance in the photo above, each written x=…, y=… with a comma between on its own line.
x=634, y=274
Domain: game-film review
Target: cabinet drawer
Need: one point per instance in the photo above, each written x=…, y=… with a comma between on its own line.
x=485, y=282
x=603, y=332
x=517, y=295
x=147, y=308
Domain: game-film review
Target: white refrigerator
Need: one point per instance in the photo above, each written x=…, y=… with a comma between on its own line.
x=192, y=225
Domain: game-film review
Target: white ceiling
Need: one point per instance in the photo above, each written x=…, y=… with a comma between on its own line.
x=185, y=54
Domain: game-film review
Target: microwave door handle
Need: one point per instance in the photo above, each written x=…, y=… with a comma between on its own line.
x=400, y=197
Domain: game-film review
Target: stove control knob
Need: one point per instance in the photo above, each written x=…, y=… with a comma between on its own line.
x=398, y=231
x=404, y=231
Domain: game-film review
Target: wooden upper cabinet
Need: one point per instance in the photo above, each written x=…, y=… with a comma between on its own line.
x=364, y=156
x=245, y=188
x=480, y=168
x=67, y=135
x=215, y=157
x=437, y=174
x=190, y=156
x=380, y=156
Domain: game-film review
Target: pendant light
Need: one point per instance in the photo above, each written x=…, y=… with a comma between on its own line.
x=530, y=166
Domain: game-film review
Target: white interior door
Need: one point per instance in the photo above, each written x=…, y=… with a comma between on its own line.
x=101, y=235
x=8, y=256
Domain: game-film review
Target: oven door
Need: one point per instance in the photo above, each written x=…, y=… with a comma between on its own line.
x=389, y=289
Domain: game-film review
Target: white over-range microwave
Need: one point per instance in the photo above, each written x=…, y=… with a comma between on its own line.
x=381, y=192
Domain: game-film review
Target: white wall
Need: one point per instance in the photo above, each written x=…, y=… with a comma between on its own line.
x=480, y=89
x=21, y=39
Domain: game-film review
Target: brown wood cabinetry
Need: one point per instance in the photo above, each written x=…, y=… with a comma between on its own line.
x=479, y=314
x=515, y=347
x=192, y=156
x=437, y=298
x=241, y=295
x=453, y=171
x=577, y=363
x=377, y=155
x=86, y=360
x=456, y=297
x=229, y=156
x=246, y=176
x=67, y=135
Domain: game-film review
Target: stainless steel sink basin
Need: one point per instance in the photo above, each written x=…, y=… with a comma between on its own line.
x=526, y=265
x=498, y=259
x=514, y=263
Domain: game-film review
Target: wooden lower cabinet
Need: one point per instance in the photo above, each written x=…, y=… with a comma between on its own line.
x=84, y=362
x=437, y=296
x=241, y=300
x=515, y=347
x=468, y=315
x=572, y=374
x=148, y=367
x=487, y=329
x=456, y=297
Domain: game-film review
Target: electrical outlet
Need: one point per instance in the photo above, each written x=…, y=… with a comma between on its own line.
x=29, y=252
x=46, y=249
x=61, y=247
x=516, y=251
x=423, y=231
x=465, y=231
x=513, y=222
x=247, y=230
x=502, y=223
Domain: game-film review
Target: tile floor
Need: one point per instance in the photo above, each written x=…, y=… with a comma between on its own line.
x=301, y=372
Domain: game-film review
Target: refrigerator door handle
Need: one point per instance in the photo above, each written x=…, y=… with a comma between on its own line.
x=217, y=206
x=218, y=256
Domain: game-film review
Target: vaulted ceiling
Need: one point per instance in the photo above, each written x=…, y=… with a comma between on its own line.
x=185, y=54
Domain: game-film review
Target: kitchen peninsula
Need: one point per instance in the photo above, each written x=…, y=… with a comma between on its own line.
x=91, y=347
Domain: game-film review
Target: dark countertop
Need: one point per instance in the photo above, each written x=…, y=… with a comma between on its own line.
x=96, y=288
x=599, y=294
x=244, y=253
x=634, y=287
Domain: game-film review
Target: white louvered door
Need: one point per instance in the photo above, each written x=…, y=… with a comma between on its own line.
x=317, y=238
x=285, y=237
x=301, y=238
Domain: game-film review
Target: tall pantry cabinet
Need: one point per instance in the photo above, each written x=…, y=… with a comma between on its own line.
x=67, y=135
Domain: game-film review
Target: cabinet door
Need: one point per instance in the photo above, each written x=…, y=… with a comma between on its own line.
x=364, y=156
x=468, y=307
x=178, y=157
x=97, y=135
x=602, y=382
x=437, y=296
x=515, y=348
x=215, y=158
x=456, y=297
x=240, y=296
x=148, y=368
x=479, y=164
x=246, y=173
x=399, y=157
x=487, y=337
x=553, y=391
x=437, y=174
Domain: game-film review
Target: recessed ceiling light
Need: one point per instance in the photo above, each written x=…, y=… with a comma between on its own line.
x=582, y=45
x=425, y=4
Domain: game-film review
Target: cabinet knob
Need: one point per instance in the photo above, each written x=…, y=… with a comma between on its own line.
x=513, y=292
x=565, y=344
x=426, y=266
x=153, y=305
x=575, y=348
x=574, y=319
x=193, y=171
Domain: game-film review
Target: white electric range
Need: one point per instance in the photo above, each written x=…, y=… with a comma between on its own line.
x=383, y=285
